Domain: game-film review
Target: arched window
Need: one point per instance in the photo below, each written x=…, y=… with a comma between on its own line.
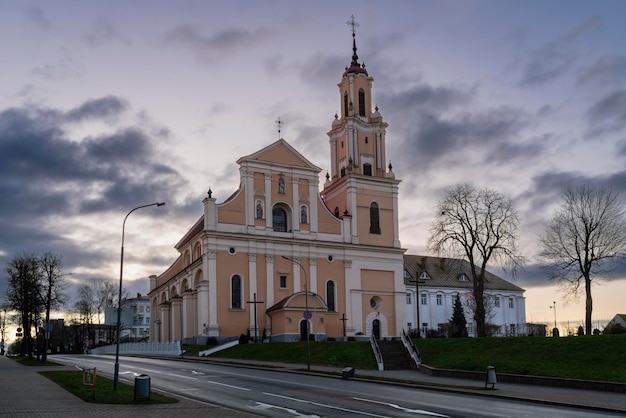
x=361, y=102
x=343, y=171
x=336, y=212
x=374, y=219
x=345, y=104
x=330, y=296
x=259, y=209
x=235, y=292
x=279, y=219
x=367, y=169
x=281, y=185
x=304, y=215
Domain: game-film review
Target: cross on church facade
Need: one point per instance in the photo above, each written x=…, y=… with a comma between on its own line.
x=255, y=302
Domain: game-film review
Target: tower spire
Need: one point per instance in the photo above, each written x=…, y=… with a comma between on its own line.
x=355, y=67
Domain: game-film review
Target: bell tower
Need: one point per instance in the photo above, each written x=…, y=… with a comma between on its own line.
x=360, y=185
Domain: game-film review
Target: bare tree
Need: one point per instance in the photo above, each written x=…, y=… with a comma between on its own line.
x=50, y=266
x=24, y=288
x=479, y=225
x=585, y=235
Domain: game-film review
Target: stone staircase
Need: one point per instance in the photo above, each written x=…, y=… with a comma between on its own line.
x=395, y=356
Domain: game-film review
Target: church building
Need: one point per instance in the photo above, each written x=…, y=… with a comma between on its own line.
x=282, y=261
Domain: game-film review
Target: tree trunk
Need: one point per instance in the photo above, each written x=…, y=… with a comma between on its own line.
x=588, y=305
x=479, y=314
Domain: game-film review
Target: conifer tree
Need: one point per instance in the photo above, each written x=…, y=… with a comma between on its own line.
x=458, y=321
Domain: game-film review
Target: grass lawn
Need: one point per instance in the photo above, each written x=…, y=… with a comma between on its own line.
x=598, y=357
x=71, y=380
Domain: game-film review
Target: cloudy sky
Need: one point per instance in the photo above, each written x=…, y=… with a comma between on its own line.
x=105, y=106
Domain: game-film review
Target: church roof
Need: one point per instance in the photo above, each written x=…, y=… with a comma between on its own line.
x=280, y=152
x=448, y=272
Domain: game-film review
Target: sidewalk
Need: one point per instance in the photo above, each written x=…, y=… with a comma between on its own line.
x=26, y=393
x=44, y=398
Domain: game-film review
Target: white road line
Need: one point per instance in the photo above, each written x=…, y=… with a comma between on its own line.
x=265, y=406
x=224, y=384
x=184, y=377
x=352, y=411
x=395, y=406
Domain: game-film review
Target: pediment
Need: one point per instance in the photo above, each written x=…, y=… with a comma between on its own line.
x=280, y=153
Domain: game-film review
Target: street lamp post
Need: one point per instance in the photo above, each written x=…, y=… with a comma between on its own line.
x=119, y=300
x=306, y=311
x=554, y=307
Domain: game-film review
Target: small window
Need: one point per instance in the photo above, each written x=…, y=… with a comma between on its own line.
x=376, y=302
x=366, y=140
x=345, y=108
x=407, y=275
x=496, y=302
x=511, y=305
x=361, y=102
x=424, y=299
x=374, y=219
x=343, y=172
x=463, y=278
x=259, y=209
x=304, y=215
x=367, y=169
x=439, y=300
x=235, y=292
x=336, y=212
x=281, y=185
x=408, y=299
x=330, y=296
x=424, y=276
x=283, y=282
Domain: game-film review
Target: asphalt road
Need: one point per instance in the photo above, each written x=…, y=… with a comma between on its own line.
x=278, y=394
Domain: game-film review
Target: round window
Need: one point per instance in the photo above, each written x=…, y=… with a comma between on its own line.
x=232, y=250
x=330, y=258
x=376, y=302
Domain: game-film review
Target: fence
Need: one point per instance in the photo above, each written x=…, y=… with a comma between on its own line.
x=171, y=348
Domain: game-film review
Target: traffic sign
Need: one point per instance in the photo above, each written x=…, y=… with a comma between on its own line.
x=307, y=315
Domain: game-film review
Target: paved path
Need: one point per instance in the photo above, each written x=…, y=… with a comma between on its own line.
x=26, y=393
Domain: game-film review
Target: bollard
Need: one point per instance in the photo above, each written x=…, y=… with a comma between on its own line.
x=347, y=372
x=490, y=378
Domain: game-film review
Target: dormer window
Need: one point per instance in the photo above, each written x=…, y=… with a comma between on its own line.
x=463, y=278
x=424, y=276
x=407, y=275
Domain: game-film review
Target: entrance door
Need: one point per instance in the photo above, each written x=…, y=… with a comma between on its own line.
x=376, y=329
x=304, y=328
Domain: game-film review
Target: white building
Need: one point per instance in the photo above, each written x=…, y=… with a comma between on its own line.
x=440, y=280
x=140, y=330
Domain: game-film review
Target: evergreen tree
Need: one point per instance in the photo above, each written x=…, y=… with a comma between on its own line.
x=458, y=322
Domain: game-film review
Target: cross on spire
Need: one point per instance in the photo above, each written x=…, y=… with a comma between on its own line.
x=353, y=24
x=279, y=125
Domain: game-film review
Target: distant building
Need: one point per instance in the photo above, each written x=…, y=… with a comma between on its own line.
x=619, y=319
x=442, y=279
x=140, y=329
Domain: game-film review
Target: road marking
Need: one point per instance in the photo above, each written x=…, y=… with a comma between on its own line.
x=224, y=384
x=339, y=408
x=184, y=377
x=265, y=406
x=395, y=406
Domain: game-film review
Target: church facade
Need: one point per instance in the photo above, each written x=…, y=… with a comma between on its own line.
x=279, y=259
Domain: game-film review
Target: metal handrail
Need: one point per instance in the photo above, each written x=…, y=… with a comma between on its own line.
x=377, y=353
x=411, y=348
